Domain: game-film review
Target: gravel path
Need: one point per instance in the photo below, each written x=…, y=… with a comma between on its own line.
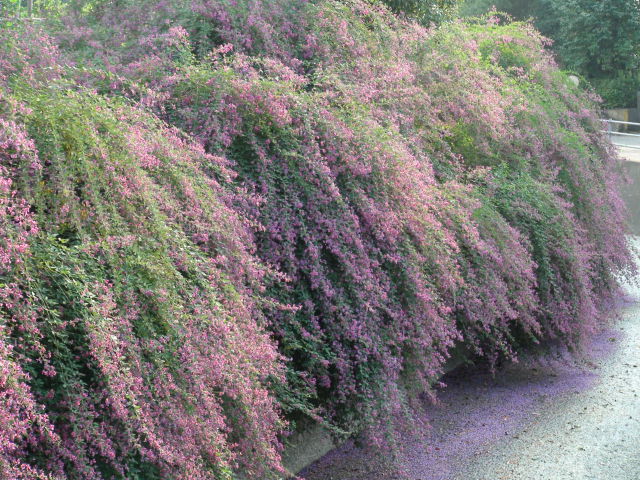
x=555, y=420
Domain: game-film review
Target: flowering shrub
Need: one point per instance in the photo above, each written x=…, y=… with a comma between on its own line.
x=367, y=191
x=132, y=344
x=419, y=188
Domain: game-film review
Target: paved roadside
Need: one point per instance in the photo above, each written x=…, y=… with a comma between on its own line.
x=629, y=154
x=592, y=435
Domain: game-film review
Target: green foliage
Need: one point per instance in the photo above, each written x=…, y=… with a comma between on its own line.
x=14, y=10
x=342, y=196
x=619, y=90
x=118, y=294
x=599, y=40
x=520, y=9
x=426, y=11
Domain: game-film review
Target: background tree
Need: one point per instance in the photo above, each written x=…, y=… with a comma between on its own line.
x=599, y=40
x=520, y=9
x=427, y=11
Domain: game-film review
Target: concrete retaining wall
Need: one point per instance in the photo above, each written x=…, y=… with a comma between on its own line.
x=624, y=114
x=631, y=196
x=313, y=441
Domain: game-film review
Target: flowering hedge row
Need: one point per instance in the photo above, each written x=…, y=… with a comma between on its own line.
x=222, y=215
x=131, y=344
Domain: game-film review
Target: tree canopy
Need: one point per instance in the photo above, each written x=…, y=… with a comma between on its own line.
x=598, y=40
x=427, y=11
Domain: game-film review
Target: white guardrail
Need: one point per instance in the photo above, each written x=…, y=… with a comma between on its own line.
x=622, y=139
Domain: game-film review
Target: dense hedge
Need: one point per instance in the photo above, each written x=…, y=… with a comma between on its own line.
x=131, y=342
x=220, y=216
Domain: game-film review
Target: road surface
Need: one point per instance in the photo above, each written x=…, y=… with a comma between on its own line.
x=593, y=434
x=628, y=147
x=629, y=154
